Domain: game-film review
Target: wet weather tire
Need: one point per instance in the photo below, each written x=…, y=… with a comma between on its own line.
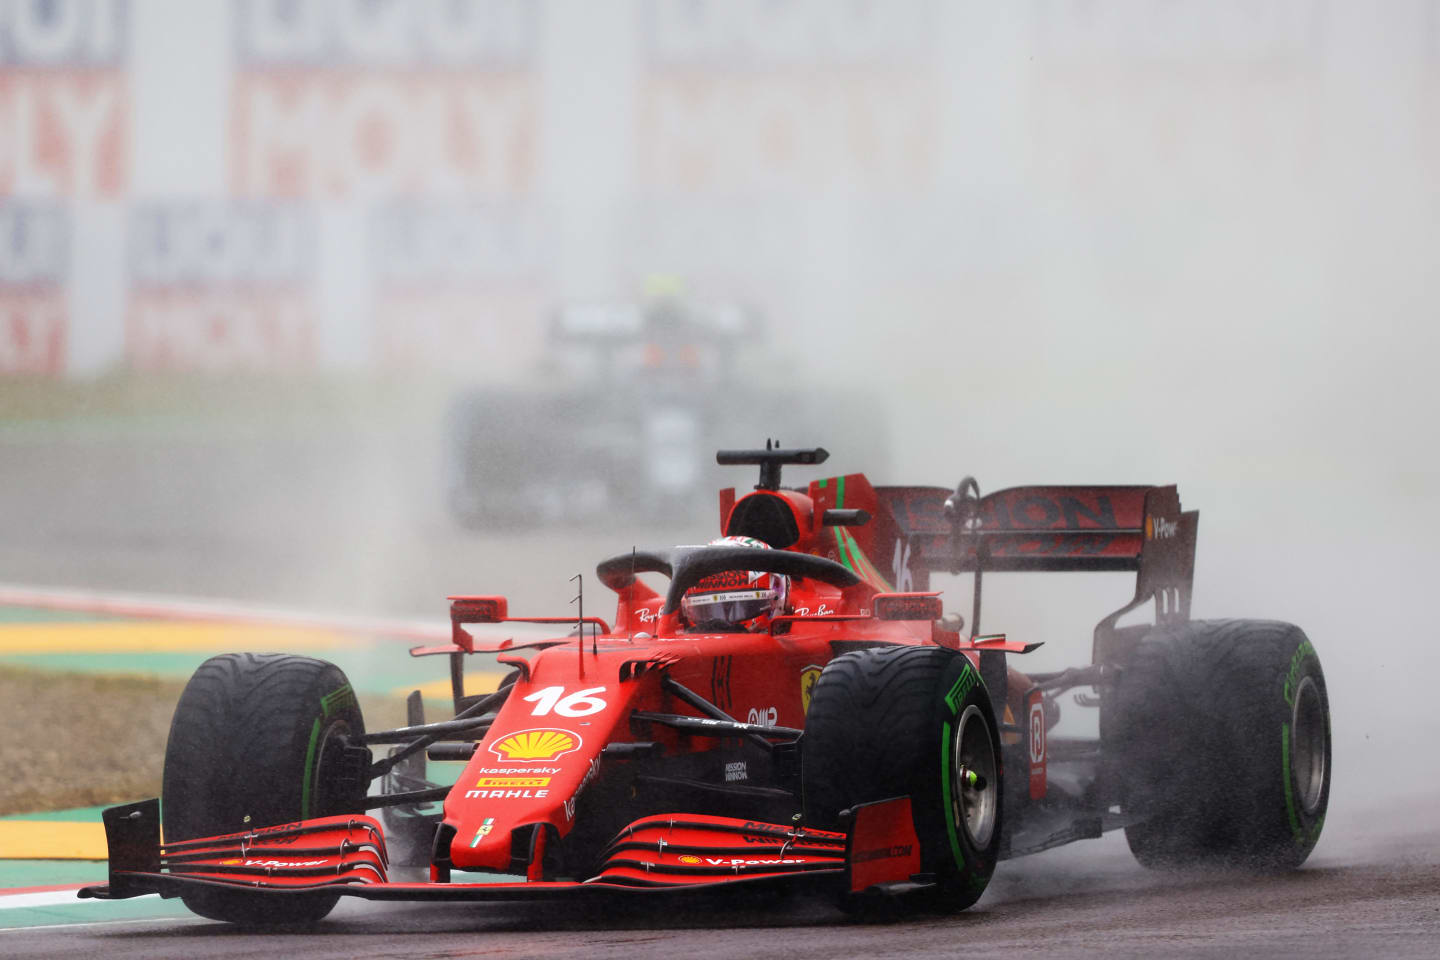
x=1221, y=730
x=259, y=740
x=897, y=721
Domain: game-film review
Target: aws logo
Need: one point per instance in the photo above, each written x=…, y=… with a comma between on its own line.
x=536, y=746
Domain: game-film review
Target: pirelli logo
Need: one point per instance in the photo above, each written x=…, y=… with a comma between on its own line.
x=490, y=783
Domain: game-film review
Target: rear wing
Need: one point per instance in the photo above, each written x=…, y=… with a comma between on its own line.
x=1053, y=529
x=894, y=537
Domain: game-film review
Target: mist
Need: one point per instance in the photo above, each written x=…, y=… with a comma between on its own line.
x=1049, y=242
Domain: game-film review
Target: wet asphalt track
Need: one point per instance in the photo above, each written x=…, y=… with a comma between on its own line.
x=346, y=526
x=1374, y=892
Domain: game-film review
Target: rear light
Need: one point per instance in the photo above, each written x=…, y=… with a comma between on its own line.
x=907, y=606
x=478, y=610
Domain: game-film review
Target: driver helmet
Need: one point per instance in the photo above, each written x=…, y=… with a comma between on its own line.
x=736, y=599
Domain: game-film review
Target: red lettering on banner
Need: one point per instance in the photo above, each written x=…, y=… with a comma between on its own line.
x=753, y=95
x=220, y=286
x=32, y=332
x=706, y=130
x=178, y=330
x=63, y=133
x=338, y=134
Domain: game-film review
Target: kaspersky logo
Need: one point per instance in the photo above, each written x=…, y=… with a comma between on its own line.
x=535, y=746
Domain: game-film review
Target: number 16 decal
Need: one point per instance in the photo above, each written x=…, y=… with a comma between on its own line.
x=581, y=703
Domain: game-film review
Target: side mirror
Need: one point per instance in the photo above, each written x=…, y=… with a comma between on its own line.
x=844, y=518
x=907, y=606
x=477, y=610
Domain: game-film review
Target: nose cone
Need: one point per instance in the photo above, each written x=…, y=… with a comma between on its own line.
x=482, y=848
x=492, y=801
x=537, y=757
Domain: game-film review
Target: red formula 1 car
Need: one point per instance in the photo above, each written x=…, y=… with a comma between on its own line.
x=855, y=740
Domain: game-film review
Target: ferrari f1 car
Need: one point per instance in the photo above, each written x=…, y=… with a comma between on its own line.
x=856, y=739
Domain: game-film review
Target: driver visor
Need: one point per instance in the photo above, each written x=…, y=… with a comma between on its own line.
x=731, y=606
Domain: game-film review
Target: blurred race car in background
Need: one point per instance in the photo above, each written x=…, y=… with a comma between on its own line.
x=793, y=708
x=620, y=420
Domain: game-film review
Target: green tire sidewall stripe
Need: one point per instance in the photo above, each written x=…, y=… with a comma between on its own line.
x=1306, y=651
x=949, y=800
x=337, y=699
x=1289, y=790
x=952, y=703
x=333, y=702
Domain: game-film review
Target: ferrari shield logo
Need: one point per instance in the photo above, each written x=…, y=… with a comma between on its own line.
x=808, y=676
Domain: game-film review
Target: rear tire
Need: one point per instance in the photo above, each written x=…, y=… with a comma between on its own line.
x=902, y=721
x=1222, y=734
x=259, y=740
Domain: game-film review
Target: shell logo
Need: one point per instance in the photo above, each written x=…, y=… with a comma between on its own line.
x=534, y=746
x=689, y=859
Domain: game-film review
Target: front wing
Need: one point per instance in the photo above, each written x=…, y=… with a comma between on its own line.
x=346, y=855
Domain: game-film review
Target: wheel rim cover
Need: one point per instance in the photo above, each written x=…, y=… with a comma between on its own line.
x=973, y=751
x=1308, y=740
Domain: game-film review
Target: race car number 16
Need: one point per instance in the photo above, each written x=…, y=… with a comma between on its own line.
x=581, y=703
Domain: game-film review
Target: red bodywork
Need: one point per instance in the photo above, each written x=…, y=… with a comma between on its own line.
x=534, y=763
x=583, y=708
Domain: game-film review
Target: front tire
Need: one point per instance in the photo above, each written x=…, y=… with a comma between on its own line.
x=917, y=722
x=1222, y=735
x=259, y=740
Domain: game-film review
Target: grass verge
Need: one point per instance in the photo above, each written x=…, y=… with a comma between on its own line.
x=81, y=739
